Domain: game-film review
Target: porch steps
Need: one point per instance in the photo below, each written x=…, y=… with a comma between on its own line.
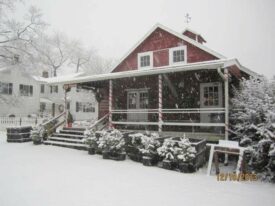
x=68, y=137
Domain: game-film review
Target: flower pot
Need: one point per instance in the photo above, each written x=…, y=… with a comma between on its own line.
x=121, y=156
x=37, y=142
x=186, y=167
x=135, y=157
x=169, y=165
x=91, y=150
x=117, y=156
x=149, y=160
x=105, y=155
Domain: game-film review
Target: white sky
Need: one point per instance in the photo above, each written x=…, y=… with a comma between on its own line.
x=235, y=28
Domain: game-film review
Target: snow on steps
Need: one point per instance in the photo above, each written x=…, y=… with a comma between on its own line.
x=68, y=137
x=66, y=144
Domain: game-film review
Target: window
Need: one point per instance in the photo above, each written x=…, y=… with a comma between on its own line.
x=42, y=88
x=177, y=55
x=211, y=95
x=6, y=88
x=138, y=100
x=84, y=107
x=145, y=60
x=54, y=89
x=26, y=90
x=42, y=107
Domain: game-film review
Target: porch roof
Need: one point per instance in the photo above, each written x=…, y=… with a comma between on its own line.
x=214, y=64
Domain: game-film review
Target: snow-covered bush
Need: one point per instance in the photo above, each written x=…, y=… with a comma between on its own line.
x=112, y=141
x=252, y=120
x=149, y=144
x=180, y=151
x=36, y=135
x=90, y=139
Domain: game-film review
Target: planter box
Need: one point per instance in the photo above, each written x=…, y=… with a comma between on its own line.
x=169, y=165
x=37, y=142
x=18, y=134
x=200, y=146
x=186, y=167
x=91, y=151
x=149, y=160
x=113, y=155
x=137, y=157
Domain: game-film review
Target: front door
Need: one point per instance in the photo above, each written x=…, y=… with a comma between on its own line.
x=137, y=100
x=210, y=97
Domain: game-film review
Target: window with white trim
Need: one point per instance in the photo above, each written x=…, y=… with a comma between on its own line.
x=145, y=60
x=84, y=107
x=6, y=88
x=26, y=90
x=178, y=55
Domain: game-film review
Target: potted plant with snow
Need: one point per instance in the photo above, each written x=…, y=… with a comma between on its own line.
x=149, y=148
x=36, y=136
x=112, y=145
x=91, y=141
x=167, y=152
x=133, y=146
x=185, y=155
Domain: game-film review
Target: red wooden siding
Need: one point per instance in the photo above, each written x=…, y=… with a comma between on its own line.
x=160, y=41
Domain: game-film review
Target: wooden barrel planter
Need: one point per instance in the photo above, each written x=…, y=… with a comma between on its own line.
x=19, y=134
x=150, y=160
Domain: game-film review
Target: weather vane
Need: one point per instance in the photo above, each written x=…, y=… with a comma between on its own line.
x=187, y=18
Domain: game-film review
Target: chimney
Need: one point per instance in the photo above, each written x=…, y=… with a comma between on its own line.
x=45, y=74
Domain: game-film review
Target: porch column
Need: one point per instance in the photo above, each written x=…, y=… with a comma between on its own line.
x=160, y=102
x=226, y=102
x=226, y=105
x=110, y=102
x=65, y=105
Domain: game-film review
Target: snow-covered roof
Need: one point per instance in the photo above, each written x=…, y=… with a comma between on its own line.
x=58, y=78
x=179, y=35
x=213, y=64
x=46, y=100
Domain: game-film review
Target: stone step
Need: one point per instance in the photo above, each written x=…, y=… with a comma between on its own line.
x=69, y=136
x=61, y=139
x=66, y=144
x=71, y=132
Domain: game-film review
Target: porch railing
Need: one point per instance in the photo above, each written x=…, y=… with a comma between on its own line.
x=189, y=117
x=51, y=125
x=99, y=124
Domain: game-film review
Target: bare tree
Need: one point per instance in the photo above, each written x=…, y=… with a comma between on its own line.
x=53, y=51
x=16, y=36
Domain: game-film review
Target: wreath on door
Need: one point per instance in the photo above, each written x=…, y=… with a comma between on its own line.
x=61, y=108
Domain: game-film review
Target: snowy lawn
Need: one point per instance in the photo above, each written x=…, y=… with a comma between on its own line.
x=47, y=175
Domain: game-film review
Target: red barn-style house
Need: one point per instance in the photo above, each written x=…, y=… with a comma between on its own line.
x=168, y=82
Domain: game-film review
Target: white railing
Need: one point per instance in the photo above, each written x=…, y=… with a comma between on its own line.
x=18, y=121
x=173, y=122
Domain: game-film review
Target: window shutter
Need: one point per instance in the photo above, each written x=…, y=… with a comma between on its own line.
x=31, y=90
x=51, y=88
x=77, y=107
x=10, y=88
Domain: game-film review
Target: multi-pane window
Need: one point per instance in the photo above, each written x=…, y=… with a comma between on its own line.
x=5, y=88
x=26, y=90
x=138, y=100
x=143, y=100
x=132, y=100
x=145, y=61
x=54, y=89
x=178, y=55
x=84, y=107
x=211, y=96
x=42, y=88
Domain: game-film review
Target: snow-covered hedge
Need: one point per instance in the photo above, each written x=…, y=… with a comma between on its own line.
x=112, y=141
x=180, y=151
x=253, y=122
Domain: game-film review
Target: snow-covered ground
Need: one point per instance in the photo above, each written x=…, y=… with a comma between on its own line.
x=52, y=176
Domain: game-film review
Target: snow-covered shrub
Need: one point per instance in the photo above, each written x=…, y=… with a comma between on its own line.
x=149, y=144
x=180, y=151
x=112, y=141
x=90, y=139
x=36, y=135
x=167, y=150
x=185, y=152
x=252, y=120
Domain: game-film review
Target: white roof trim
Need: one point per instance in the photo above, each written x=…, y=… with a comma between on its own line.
x=181, y=36
x=214, y=64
